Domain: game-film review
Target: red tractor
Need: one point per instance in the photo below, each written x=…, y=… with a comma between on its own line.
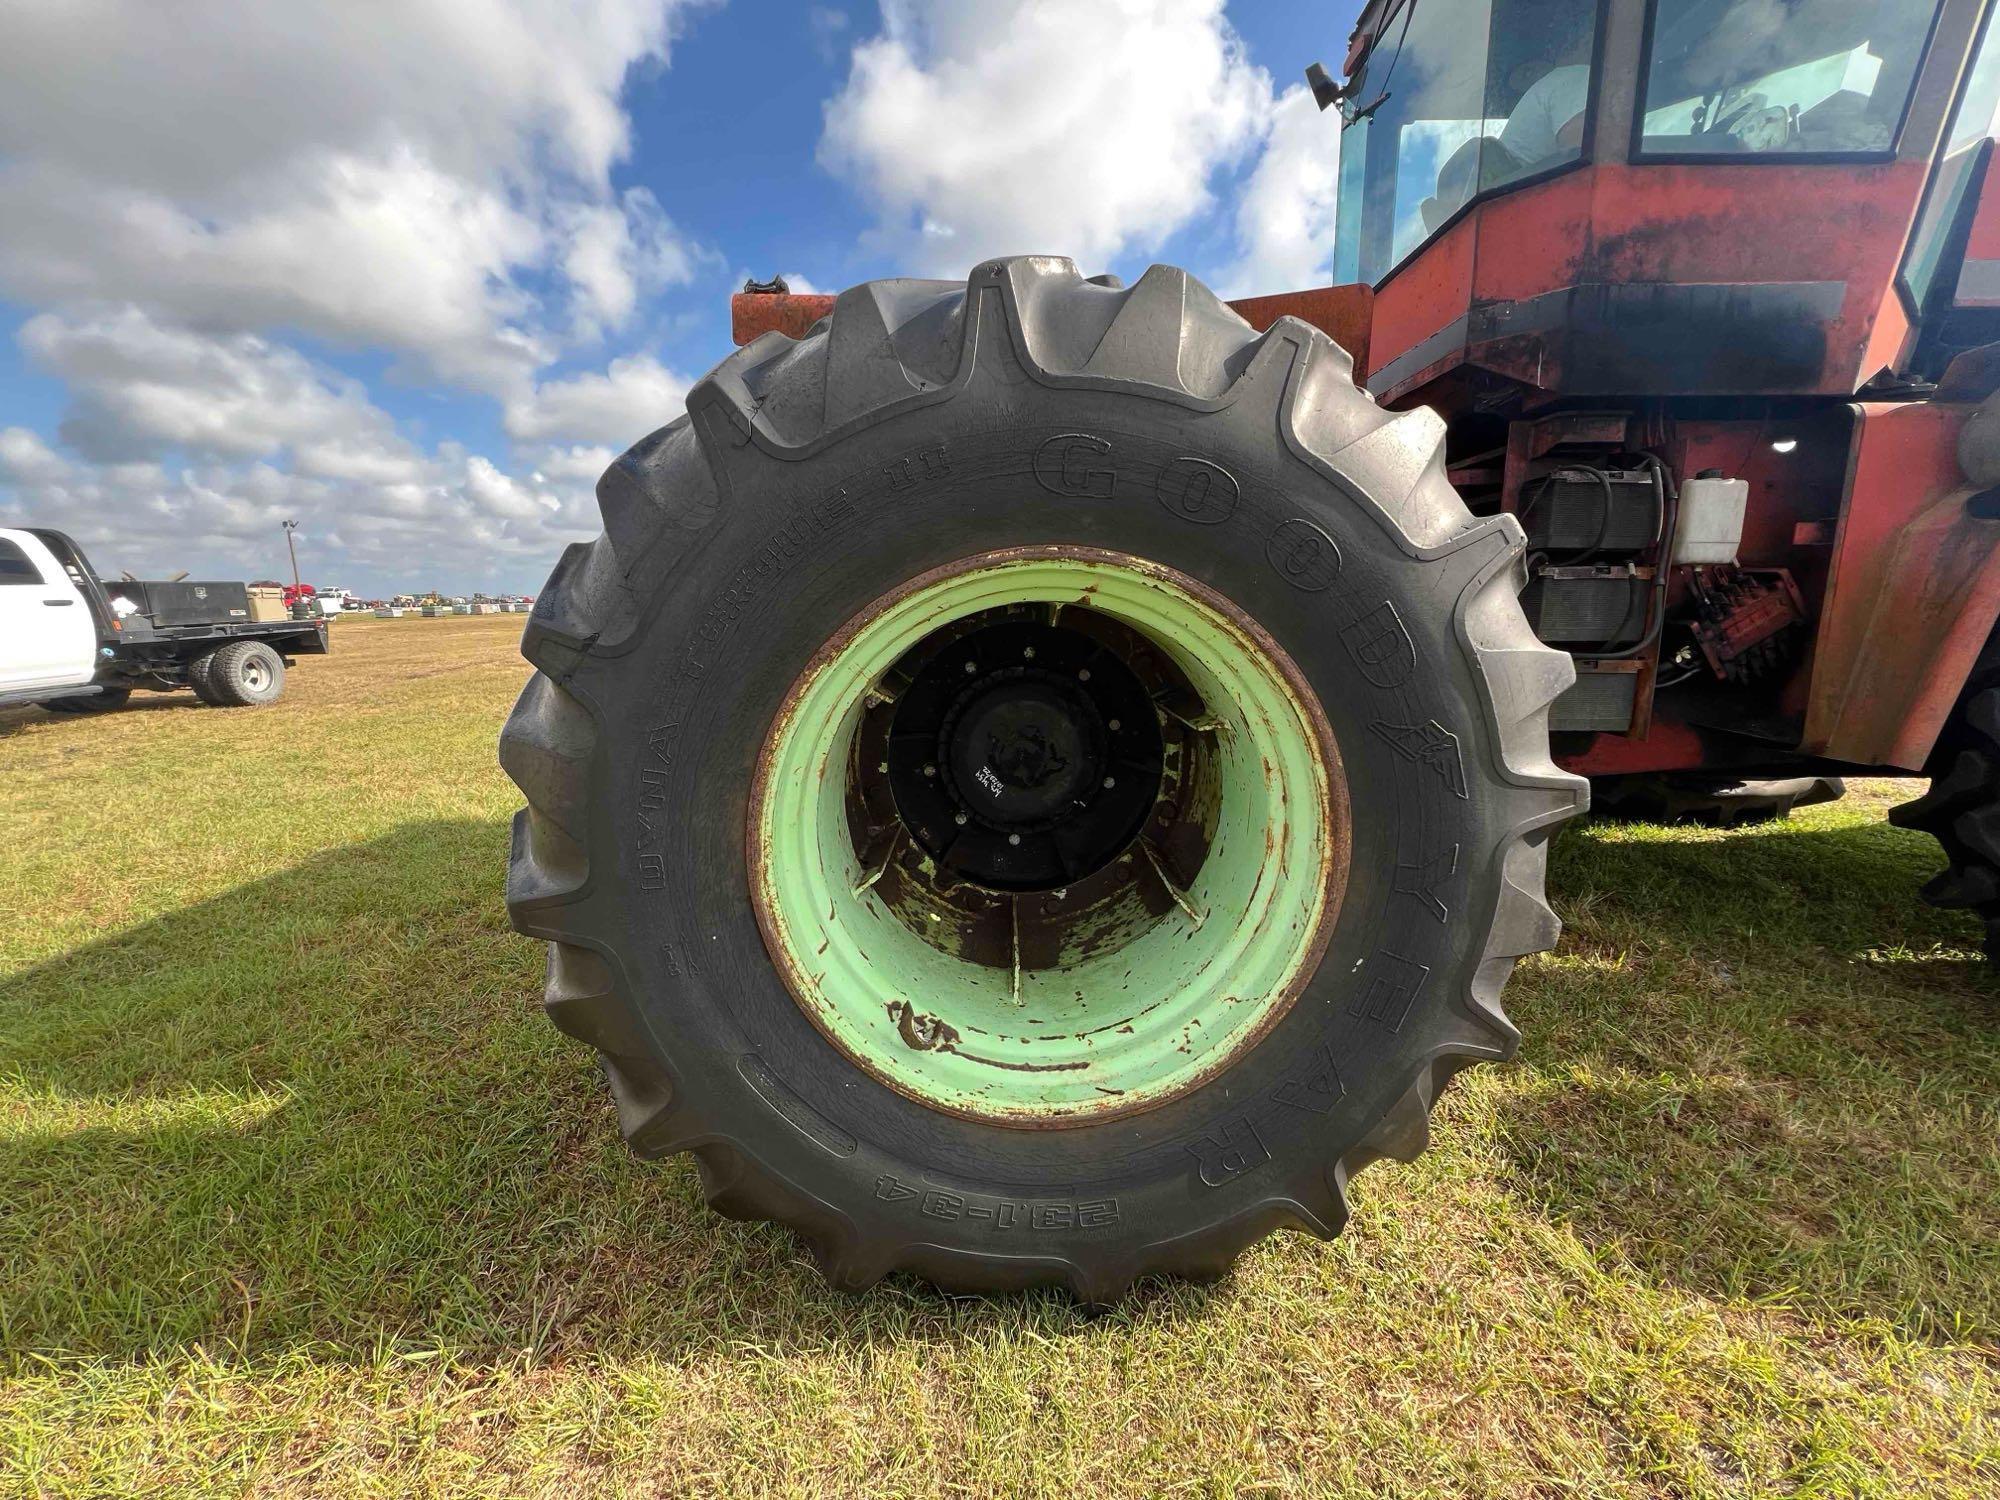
x=1041, y=781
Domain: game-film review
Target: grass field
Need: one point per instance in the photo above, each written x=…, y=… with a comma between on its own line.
x=300, y=1195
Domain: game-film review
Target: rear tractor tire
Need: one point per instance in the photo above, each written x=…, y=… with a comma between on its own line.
x=1036, y=783
x=245, y=674
x=1961, y=808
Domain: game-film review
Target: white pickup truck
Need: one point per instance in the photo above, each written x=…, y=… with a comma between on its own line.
x=74, y=643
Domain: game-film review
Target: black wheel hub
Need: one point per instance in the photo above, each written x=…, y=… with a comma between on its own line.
x=1024, y=756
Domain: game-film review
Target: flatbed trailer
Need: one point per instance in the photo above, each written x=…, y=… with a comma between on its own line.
x=73, y=643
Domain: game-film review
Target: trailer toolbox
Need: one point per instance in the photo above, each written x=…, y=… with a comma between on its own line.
x=183, y=603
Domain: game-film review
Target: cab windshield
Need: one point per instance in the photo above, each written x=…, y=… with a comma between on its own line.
x=1763, y=76
x=1457, y=98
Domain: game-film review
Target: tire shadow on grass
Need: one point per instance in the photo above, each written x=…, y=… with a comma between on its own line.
x=323, y=1112
x=1759, y=1068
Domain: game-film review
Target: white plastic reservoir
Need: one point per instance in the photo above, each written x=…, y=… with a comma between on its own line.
x=1710, y=527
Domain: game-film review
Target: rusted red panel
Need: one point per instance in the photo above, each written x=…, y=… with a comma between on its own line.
x=1912, y=593
x=753, y=314
x=1420, y=307
x=1669, y=746
x=1342, y=313
x=1718, y=224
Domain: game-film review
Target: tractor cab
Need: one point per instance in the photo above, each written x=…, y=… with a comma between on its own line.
x=1664, y=197
x=1668, y=250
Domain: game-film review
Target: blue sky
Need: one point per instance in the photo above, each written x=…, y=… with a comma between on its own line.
x=412, y=271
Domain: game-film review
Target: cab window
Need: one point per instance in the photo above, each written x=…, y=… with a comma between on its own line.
x=15, y=565
x=1759, y=77
x=1975, y=119
x=1457, y=99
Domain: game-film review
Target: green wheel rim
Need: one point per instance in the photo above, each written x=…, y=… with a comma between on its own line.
x=1134, y=1021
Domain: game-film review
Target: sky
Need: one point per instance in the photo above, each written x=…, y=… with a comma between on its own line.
x=413, y=272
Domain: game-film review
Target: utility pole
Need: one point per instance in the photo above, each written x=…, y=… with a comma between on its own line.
x=293, y=548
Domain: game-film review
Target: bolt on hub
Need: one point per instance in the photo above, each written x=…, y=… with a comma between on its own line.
x=1022, y=756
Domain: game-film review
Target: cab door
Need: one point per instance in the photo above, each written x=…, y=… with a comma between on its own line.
x=47, y=638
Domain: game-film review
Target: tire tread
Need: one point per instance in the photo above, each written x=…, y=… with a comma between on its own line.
x=888, y=345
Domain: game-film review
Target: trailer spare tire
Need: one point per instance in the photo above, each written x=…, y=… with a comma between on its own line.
x=198, y=672
x=1961, y=806
x=245, y=674
x=1037, y=782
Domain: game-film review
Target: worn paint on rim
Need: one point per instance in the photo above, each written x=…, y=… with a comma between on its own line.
x=1116, y=1032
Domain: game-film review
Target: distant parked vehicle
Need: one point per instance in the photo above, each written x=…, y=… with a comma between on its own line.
x=75, y=644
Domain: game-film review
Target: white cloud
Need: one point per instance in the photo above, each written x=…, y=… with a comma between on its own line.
x=387, y=253
x=392, y=173
x=201, y=94
x=1284, y=215
x=631, y=398
x=189, y=190
x=140, y=390
x=990, y=127
x=617, y=253
x=500, y=495
x=198, y=196
x=25, y=458
x=444, y=517
x=186, y=449
x=578, y=463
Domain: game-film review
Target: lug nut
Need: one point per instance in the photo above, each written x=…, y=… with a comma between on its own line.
x=1083, y=674
x=1110, y=782
x=1013, y=838
x=959, y=819
x=930, y=770
x=1028, y=652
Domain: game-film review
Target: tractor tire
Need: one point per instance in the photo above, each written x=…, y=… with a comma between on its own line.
x=1711, y=801
x=1018, y=458
x=245, y=674
x=108, y=701
x=198, y=673
x=1961, y=808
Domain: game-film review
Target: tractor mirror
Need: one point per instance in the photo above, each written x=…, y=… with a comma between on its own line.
x=1326, y=93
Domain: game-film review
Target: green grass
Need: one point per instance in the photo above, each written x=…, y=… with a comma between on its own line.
x=300, y=1195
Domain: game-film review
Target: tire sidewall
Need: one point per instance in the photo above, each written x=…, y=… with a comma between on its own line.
x=801, y=546
x=226, y=675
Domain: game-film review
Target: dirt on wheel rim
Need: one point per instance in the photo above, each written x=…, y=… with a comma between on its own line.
x=1030, y=1061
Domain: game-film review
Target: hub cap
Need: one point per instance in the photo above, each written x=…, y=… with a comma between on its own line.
x=1023, y=756
x=1047, y=835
